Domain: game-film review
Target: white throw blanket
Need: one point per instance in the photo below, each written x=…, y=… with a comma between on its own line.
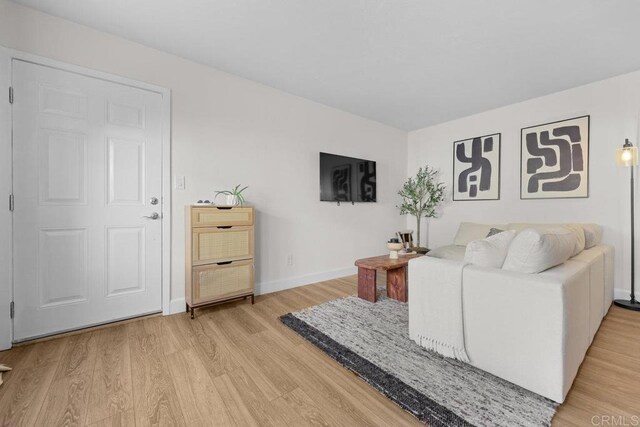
x=435, y=306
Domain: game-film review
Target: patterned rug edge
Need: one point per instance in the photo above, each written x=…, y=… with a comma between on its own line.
x=405, y=396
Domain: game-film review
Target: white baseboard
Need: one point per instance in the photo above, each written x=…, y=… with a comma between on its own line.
x=621, y=293
x=177, y=306
x=294, y=282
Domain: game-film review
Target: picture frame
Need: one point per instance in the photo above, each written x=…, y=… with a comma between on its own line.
x=477, y=167
x=554, y=159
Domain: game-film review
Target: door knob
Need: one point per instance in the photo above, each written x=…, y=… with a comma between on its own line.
x=153, y=201
x=152, y=216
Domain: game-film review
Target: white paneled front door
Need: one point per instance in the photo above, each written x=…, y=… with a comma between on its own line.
x=87, y=171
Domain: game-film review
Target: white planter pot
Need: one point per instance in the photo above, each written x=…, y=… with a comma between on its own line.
x=393, y=249
x=232, y=200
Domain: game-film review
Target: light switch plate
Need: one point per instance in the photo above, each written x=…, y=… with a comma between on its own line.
x=179, y=182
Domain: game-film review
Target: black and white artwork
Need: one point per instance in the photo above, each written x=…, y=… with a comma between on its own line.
x=341, y=182
x=476, y=168
x=554, y=160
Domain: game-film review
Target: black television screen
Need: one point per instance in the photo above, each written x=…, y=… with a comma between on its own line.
x=346, y=179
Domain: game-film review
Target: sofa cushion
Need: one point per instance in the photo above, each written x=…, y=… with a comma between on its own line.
x=450, y=252
x=469, y=231
x=576, y=229
x=592, y=235
x=491, y=251
x=533, y=251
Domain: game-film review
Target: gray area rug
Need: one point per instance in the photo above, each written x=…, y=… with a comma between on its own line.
x=372, y=339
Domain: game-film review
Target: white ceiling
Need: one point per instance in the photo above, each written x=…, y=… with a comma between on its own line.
x=406, y=63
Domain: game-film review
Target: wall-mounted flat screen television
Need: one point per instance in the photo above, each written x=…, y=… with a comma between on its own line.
x=346, y=179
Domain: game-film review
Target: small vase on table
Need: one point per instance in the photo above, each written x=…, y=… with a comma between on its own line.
x=394, y=247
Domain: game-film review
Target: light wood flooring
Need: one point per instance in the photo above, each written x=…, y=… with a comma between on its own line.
x=236, y=364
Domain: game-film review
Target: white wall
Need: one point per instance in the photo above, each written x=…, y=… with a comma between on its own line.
x=227, y=130
x=614, y=106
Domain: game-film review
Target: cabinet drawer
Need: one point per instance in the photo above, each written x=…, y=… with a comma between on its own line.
x=213, y=282
x=213, y=244
x=207, y=217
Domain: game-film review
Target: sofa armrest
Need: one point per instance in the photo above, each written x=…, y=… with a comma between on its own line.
x=419, y=268
x=532, y=329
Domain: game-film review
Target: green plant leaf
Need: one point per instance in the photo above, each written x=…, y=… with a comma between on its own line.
x=422, y=194
x=235, y=191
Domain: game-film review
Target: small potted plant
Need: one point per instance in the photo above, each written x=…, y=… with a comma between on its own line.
x=421, y=196
x=234, y=196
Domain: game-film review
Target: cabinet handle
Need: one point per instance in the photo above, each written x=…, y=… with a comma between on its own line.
x=223, y=226
x=224, y=262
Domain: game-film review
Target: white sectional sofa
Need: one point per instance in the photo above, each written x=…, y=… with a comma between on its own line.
x=530, y=329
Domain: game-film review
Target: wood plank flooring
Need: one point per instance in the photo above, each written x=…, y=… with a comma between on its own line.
x=236, y=364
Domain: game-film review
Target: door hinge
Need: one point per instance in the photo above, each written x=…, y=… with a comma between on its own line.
x=11, y=202
x=10, y=95
x=12, y=309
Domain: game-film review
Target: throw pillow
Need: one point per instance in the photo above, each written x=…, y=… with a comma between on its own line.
x=533, y=251
x=494, y=231
x=469, y=231
x=491, y=251
x=592, y=235
x=579, y=238
x=577, y=230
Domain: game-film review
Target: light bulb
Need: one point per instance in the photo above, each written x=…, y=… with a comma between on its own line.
x=626, y=155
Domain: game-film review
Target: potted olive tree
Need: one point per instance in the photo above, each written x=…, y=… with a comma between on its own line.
x=421, y=196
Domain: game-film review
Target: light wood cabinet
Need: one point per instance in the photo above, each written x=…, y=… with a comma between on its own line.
x=219, y=255
x=221, y=244
x=220, y=216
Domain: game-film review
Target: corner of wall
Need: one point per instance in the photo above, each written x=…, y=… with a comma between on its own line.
x=6, y=291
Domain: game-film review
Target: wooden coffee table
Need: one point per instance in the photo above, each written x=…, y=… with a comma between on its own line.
x=396, y=276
